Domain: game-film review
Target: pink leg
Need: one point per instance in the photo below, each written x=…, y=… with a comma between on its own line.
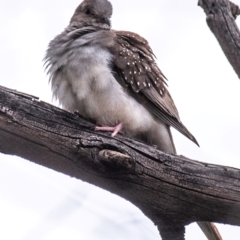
x=115, y=129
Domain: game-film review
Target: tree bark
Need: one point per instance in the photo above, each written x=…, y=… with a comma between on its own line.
x=221, y=16
x=172, y=191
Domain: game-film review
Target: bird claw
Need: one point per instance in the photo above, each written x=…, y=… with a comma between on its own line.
x=115, y=129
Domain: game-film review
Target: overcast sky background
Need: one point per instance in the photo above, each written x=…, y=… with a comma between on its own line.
x=38, y=203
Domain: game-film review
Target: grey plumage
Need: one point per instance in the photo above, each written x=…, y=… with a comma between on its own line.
x=110, y=77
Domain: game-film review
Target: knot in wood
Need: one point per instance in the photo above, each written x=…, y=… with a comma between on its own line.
x=116, y=160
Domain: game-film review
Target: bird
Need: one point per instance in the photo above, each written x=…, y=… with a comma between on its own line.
x=111, y=78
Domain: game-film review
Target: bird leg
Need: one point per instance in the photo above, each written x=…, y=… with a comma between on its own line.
x=115, y=129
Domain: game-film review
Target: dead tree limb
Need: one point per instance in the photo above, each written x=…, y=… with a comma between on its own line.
x=172, y=191
x=221, y=16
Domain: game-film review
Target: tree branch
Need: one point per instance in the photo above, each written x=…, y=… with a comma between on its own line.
x=220, y=19
x=172, y=191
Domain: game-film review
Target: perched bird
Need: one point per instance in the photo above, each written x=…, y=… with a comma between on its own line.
x=111, y=78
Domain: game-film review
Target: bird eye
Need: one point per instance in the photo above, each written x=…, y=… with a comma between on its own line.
x=87, y=11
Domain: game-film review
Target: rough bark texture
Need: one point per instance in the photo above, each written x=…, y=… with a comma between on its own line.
x=172, y=191
x=221, y=16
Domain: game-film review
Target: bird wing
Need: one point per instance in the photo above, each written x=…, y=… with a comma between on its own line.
x=136, y=69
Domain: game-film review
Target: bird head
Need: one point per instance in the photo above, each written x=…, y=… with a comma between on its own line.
x=95, y=13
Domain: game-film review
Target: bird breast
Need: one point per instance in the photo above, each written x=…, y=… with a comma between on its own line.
x=82, y=80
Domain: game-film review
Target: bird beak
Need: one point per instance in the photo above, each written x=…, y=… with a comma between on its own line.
x=106, y=21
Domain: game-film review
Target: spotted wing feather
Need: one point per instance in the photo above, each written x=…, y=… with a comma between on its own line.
x=136, y=68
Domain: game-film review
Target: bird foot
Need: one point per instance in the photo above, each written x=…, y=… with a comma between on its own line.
x=115, y=129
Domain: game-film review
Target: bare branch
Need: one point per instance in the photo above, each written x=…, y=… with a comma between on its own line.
x=220, y=19
x=172, y=191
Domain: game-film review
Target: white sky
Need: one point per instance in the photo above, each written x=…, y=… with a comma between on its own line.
x=38, y=203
